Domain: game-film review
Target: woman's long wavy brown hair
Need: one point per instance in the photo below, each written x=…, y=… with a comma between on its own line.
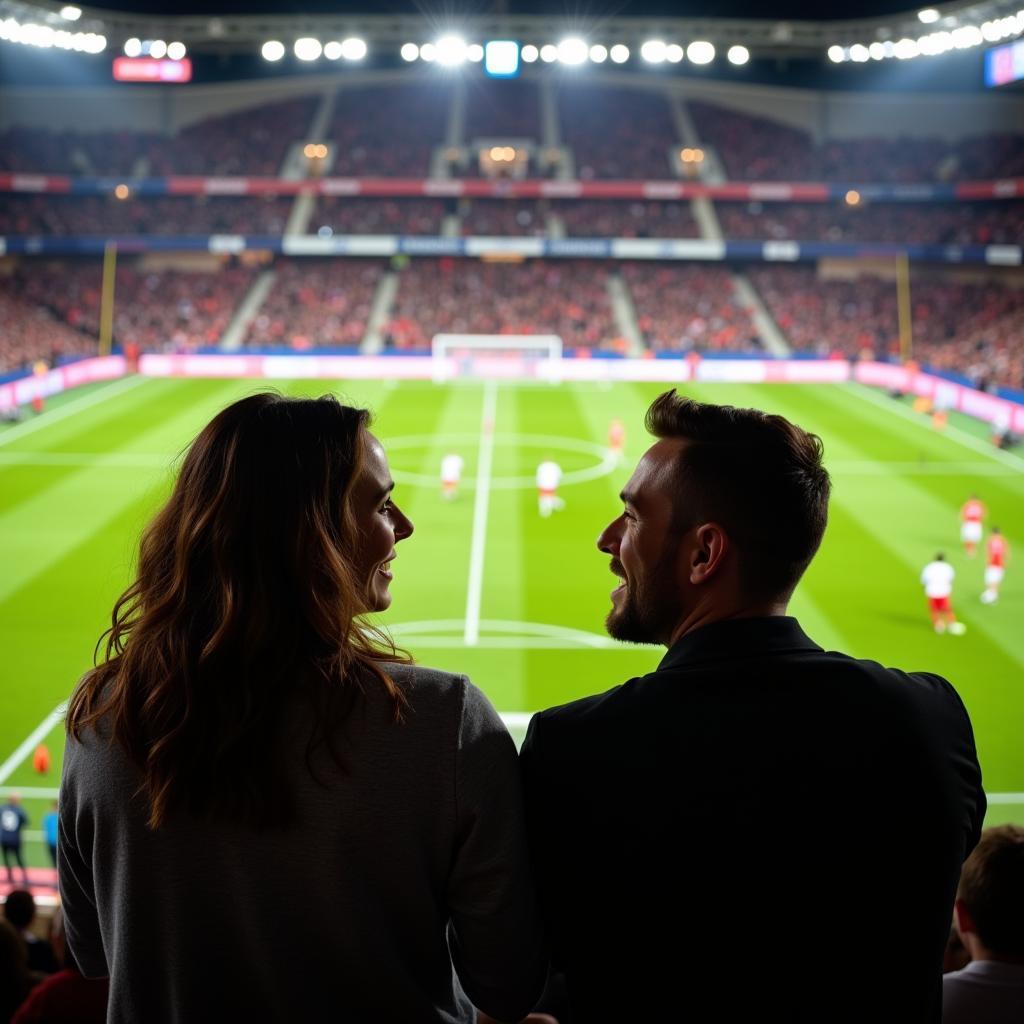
x=247, y=591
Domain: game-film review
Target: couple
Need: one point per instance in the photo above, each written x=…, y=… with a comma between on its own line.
x=268, y=813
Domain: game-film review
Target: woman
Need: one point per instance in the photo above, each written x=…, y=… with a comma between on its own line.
x=267, y=813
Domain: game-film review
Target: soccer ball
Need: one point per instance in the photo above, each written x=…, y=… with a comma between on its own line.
x=957, y=628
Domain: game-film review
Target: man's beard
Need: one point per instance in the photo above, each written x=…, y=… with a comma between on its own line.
x=647, y=614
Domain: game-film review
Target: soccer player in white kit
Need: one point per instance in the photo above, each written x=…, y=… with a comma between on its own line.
x=451, y=474
x=549, y=476
x=937, y=578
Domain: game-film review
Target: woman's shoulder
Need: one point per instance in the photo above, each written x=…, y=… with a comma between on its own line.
x=422, y=685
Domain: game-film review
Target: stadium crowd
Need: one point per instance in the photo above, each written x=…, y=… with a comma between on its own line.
x=689, y=308
x=588, y=218
x=564, y=297
x=504, y=217
x=316, y=304
x=760, y=149
x=358, y=216
x=497, y=109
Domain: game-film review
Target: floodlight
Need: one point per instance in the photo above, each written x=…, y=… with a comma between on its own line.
x=836, y=54
x=529, y=53
x=501, y=57
x=673, y=53
x=859, y=53
x=158, y=49
x=70, y=13
x=410, y=52
x=852, y=197
x=353, y=48
x=271, y=50
x=907, y=49
x=549, y=53
x=700, y=52
x=619, y=53
x=598, y=53
x=176, y=51
x=653, y=51
x=572, y=51
x=877, y=51
x=475, y=53
x=307, y=48
x=928, y=16
x=967, y=36
x=428, y=52
x=133, y=47
x=738, y=55
x=451, y=51
x=332, y=50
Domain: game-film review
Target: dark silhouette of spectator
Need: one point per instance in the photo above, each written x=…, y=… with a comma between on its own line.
x=65, y=997
x=12, y=820
x=752, y=777
x=20, y=910
x=990, y=918
x=15, y=980
x=286, y=738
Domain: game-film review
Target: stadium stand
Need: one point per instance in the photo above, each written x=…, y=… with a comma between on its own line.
x=617, y=133
x=150, y=215
x=586, y=218
x=502, y=110
x=388, y=131
x=564, y=297
x=759, y=149
x=504, y=217
x=317, y=304
x=357, y=216
x=689, y=307
x=981, y=223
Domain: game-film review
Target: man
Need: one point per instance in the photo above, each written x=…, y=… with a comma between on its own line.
x=972, y=513
x=451, y=475
x=937, y=579
x=997, y=550
x=549, y=476
x=752, y=781
x=12, y=820
x=990, y=989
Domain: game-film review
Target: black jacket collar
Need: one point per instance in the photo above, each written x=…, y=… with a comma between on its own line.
x=732, y=638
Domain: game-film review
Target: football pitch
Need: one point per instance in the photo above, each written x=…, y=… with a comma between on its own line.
x=486, y=586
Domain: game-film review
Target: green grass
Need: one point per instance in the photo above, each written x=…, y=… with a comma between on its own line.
x=77, y=485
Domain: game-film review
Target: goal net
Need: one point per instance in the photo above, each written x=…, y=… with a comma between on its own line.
x=497, y=356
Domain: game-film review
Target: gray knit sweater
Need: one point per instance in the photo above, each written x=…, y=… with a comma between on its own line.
x=413, y=861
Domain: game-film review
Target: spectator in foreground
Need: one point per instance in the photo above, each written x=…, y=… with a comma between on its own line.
x=15, y=981
x=990, y=917
x=65, y=997
x=752, y=777
x=20, y=910
x=253, y=762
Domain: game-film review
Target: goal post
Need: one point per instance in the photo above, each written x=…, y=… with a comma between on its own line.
x=497, y=356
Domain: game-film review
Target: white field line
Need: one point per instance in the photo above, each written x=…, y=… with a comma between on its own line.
x=474, y=590
x=34, y=738
x=31, y=792
x=71, y=408
x=986, y=448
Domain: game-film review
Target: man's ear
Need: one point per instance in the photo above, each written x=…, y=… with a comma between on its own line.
x=707, y=553
x=962, y=916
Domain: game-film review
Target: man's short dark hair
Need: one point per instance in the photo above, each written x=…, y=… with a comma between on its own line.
x=757, y=475
x=20, y=908
x=992, y=889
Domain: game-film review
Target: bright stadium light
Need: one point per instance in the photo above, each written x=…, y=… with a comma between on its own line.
x=428, y=52
x=332, y=50
x=674, y=53
x=271, y=50
x=501, y=57
x=738, y=55
x=549, y=53
x=598, y=53
x=353, y=48
x=619, y=53
x=451, y=51
x=906, y=49
x=70, y=13
x=158, y=49
x=410, y=52
x=836, y=54
x=967, y=36
x=529, y=53
x=572, y=51
x=928, y=16
x=307, y=48
x=474, y=53
x=859, y=53
x=700, y=52
x=133, y=47
x=653, y=51
x=176, y=51
x=877, y=51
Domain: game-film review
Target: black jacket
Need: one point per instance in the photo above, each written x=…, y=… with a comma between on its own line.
x=757, y=830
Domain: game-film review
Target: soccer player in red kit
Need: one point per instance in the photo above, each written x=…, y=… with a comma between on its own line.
x=616, y=439
x=997, y=550
x=971, y=515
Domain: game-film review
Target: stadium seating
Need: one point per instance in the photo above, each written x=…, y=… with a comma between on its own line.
x=689, y=307
x=586, y=218
x=504, y=217
x=498, y=109
x=564, y=297
x=317, y=303
x=357, y=216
